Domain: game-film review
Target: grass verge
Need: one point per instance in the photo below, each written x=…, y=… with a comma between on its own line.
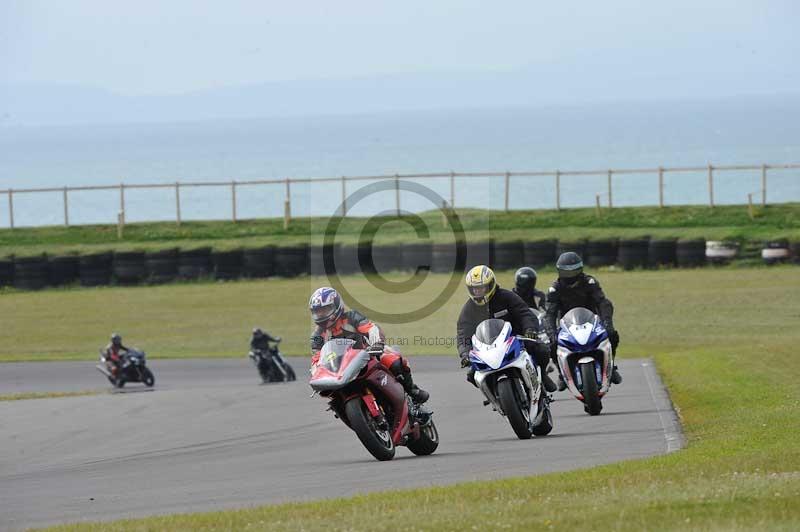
x=721, y=222
x=45, y=395
x=732, y=374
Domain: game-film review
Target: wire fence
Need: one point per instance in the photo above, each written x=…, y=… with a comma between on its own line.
x=503, y=180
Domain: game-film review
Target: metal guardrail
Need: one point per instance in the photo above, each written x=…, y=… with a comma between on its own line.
x=507, y=175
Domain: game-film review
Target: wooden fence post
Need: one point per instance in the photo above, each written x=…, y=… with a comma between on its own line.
x=233, y=200
x=344, y=197
x=660, y=187
x=610, y=191
x=10, y=209
x=287, y=206
x=508, y=179
x=763, y=185
x=597, y=204
x=452, y=189
x=66, y=208
x=711, y=186
x=397, y=193
x=178, y=203
x=750, y=206
x=558, y=190
x=122, y=200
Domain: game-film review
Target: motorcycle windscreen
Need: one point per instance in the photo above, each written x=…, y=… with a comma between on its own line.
x=577, y=316
x=488, y=330
x=580, y=331
x=339, y=363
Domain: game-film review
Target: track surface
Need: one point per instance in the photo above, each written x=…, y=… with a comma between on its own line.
x=209, y=437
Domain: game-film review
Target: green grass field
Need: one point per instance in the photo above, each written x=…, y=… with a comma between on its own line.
x=724, y=342
x=722, y=222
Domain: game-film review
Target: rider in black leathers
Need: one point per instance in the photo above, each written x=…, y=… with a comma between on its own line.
x=525, y=287
x=261, y=340
x=487, y=300
x=573, y=288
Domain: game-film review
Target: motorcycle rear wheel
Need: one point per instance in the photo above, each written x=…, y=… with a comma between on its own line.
x=378, y=442
x=591, y=400
x=428, y=440
x=512, y=406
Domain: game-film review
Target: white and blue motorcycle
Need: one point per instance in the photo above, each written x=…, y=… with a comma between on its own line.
x=510, y=379
x=585, y=357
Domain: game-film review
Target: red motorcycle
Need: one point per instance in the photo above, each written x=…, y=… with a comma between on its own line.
x=368, y=398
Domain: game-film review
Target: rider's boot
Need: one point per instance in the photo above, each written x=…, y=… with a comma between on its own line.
x=548, y=383
x=616, y=378
x=562, y=384
x=417, y=394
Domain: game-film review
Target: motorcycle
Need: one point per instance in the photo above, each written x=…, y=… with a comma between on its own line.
x=368, y=399
x=271, y=365
x=131, y=368
x=585, y=357
x=510, y=379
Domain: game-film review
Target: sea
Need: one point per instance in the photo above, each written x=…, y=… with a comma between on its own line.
x=745, y=131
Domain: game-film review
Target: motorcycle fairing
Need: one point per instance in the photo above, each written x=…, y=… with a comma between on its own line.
x=568, y=362
x=333, y=377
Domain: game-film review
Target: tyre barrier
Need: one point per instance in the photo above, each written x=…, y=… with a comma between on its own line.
x=63, y=270
x=479, y=253
x=633, y=252
x=162, y=265
x=776, y=251
x=129, y=267
x=444, y=258
x=578, y=246
x=387, y=258
x=258, y=263
x=601, y=252
x=316, y=259
x=539, y=253
x=795, y=248
x=227, y=264
x=31, y=273
x=291, y=261
x=346, y=259
x=194, y=263
x=690, y=253
x=417, y=257
x=508, y=255
x=95, y=269
x=721, y=252
x=7, y=271
x=662, y=252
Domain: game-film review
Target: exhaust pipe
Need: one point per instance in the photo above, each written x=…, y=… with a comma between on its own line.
x=104, y=371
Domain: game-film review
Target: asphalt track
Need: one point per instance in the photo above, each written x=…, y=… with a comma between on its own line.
x=209, y=437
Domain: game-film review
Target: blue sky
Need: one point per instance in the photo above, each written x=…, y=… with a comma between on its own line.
x=161, y=48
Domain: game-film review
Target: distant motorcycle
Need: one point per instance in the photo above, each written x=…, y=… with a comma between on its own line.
x=510, y=379
x=131, y=368
x=585, y=357
x=271, y=365
x=368, y=399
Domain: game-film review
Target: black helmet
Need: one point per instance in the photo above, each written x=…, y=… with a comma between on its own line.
x=116, y=339
x=570, y=268
x=257, y=332
x=525, y=279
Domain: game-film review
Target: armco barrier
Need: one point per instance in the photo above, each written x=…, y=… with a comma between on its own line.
x=539, y=253
x=662, y=252
x=63, y=270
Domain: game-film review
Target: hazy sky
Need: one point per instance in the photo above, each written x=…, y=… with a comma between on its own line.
x=160, y=47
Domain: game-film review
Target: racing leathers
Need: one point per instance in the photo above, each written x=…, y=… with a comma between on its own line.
x=534, y=298
x=261, y=342
x=113, y=357
x=507, y=306
x=368, y=335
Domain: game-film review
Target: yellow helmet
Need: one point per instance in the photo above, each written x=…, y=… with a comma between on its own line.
x=481, y=284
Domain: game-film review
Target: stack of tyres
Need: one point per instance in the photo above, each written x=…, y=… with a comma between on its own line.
x=345, y=259
x=129, y=267
x=479, y=253
x=796, y=252
x=64, y=270
x=258, y=263
x=633, y=253
x=162, y=265
x=417, y=257
x=721, y=251
x=95, y=269
x=6, y=271
x=387, y=258
x=601, y=252
x=227, y=264
x=539, y=253
x=31, y=273
x=776, y=251
x=662, y=252
x=444, y=258
x=194, y=263
x=690, y=253
x=508, y=255
x=316, y=259
x=291, y=261
x=577, y=246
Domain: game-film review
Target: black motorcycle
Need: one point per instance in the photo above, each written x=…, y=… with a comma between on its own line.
x=131, y=368
x=271, y=365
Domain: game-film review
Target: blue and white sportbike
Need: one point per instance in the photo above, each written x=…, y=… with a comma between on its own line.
x=510, y=379
x=585, y=358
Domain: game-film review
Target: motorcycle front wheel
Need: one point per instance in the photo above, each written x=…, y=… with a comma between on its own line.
x=148, y=378
x=512, y=406
x=591, y=400
x=377, y=441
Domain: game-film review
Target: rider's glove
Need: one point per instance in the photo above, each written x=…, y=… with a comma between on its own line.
x=465, y=360
x=278, y=339
x=376, y=349
x=530, y=333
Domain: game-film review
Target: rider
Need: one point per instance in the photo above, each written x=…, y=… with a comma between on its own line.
x=573, y=288
x=487, y=300
x=525, y=287
x=260, y=340
x=113, y=353
x=334, y=321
